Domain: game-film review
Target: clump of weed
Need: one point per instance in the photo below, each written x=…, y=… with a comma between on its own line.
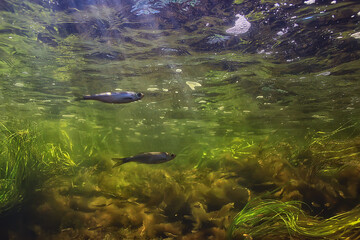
x=26, y=162
x=272, y=219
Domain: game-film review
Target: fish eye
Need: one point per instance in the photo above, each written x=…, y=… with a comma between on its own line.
x=172, y=155
x=139, y=95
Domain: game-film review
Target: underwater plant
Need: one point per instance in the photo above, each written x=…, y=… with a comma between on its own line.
x=5, y=57
x=272, y=219
x=25, y=163
x=238, y=147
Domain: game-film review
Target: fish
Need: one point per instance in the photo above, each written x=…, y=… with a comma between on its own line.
x=146, y=157
x=115, y=97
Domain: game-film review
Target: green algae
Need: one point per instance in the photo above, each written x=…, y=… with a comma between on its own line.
x=273, y=219
x=26, y=163
x=238, y=1
x=151, y=201
x=237, y=149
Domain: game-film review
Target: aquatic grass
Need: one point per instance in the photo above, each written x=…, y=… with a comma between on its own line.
x=326, y=154
x=239, y=147
x=16, y=164
x=328, y=157
x=323, y=136
x=26, y=161
x=6, y=58
x=279, y=220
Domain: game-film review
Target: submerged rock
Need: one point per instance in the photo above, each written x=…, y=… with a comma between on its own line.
x=356, y=35
x=106, y=55
x=166, y=51
x=288, y=31
x=215, y=42
x=241, y=26
x=217, y=38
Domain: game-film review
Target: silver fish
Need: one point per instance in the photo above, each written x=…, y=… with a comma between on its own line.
x=115, y=97
x=147, y=157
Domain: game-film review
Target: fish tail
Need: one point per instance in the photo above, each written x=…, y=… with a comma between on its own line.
x=78, y=99
x=120, y=161
x=86, y=97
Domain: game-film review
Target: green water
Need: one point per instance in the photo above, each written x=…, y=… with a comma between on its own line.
x=241, y=119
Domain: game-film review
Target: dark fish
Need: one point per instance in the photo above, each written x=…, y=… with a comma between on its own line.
x=115, y=97
x=148, y=158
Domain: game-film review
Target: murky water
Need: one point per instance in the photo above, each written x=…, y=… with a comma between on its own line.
x=273, y=110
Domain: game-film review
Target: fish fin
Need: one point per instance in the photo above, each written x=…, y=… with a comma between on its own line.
x=120, y=161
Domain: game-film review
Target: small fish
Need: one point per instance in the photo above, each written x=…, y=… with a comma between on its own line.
x=115, y=97
x=148, y=158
